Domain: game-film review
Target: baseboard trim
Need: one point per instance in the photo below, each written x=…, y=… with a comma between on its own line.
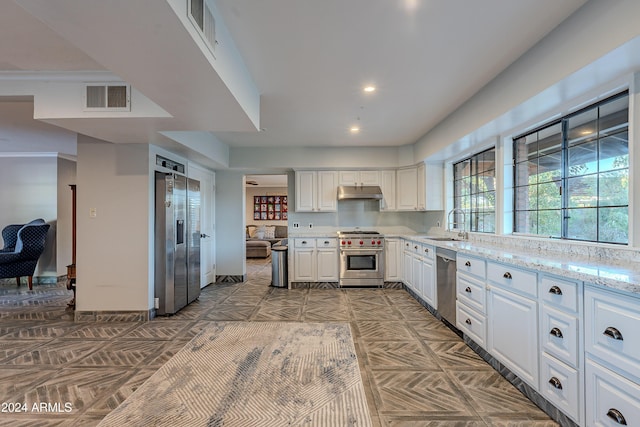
x=114, y=316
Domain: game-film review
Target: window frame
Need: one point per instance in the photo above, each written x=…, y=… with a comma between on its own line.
x=473, y=211
x=565, y=174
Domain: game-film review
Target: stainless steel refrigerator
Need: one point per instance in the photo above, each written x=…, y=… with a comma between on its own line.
x=177, y=242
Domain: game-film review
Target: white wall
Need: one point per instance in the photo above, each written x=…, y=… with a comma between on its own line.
x=593, y=31
x=262, y=191
x=230, y=217
x=113, y=248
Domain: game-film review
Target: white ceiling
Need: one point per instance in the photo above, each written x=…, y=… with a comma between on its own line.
x=309, y=61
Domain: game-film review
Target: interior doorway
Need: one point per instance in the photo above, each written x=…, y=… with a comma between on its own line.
x=266, y=214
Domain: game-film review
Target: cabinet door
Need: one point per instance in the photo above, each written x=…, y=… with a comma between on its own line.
x=416, y=273
x=407, y=192
x=392, y=266
x=513, y=333
x=304, y=265
x=327, y=191
x=327, y=265
x=305, y=191
x=429, y=283
x=388, y=187
x=421, y=185
x=348, y=178
x=407, y=266
x=369, y=178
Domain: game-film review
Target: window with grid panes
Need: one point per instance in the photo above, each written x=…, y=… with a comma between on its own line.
x=572, y=176
x=474, y=188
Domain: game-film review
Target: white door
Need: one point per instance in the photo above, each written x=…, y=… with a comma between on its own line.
x=304, y=265
x=207, y=223
x=306, y=191
x=428, y=282
x=328, y=191
x=327, y=265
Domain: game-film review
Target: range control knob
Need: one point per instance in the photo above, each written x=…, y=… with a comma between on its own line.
x=373, y=242
x=361, y=242
x=379, y=242
x=348, y=242
x=343, y=242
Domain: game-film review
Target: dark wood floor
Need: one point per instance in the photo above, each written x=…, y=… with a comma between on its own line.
x=416, y=371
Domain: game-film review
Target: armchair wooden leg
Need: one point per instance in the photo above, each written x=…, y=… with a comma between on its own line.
x=30, y=283
x=18, y=281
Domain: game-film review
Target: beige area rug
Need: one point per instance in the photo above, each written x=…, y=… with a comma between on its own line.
x=254, y=374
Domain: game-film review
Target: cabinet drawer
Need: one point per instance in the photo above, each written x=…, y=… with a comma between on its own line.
x=304, y=243
x=610, y=397
x=559, y=335
x=560, y=384
x=471, y=323
x=470, y=265
x=471, y=292
x=326, y=242
x=428, y=251
x=513, y=278
x=562, y=293
x=612, y=328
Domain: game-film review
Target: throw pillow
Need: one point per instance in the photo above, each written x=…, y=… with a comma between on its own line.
x=270, y=232
x=260, y=231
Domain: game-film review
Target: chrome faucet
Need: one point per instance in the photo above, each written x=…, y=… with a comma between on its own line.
x=451, y=225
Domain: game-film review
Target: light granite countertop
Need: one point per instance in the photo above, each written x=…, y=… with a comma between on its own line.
x=625, y=277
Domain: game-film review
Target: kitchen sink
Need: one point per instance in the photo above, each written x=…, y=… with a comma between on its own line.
x=440, y=239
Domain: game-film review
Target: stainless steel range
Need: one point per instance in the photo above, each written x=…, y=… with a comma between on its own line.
x=361, y=258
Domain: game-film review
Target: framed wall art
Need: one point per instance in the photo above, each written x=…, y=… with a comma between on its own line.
x=270, y=208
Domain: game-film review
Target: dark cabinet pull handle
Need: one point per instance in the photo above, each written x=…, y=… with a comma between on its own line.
x=613, y=333
x=468, y=321
x=555, y=290
x=326, y=242
x=556, y=332
x=556, y=383
x=468, y=289
x=415, y=247
x=426, y=250
x=616, y=416
x=507, y=275
x=468, y=263
x=304, y=242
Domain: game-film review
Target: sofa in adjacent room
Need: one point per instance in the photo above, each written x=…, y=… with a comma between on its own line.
x=261, y=238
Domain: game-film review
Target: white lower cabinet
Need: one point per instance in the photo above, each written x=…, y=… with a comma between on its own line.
x=407, y=264
x=393, y=260
x=512, y=330
x=612, y=400
x=612, y=347
x=560, y=384
x=315, y=260
x=429, y=283
x=472, y=324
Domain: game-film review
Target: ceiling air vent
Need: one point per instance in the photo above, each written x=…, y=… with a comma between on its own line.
x=108, y=97
x=202, y=19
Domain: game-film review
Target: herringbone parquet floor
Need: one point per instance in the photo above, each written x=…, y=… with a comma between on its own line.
x=416, y=372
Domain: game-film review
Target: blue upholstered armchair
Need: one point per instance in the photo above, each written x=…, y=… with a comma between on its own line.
x=22, y=260
x=10, y=234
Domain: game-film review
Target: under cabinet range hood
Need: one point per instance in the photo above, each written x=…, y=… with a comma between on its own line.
x=359, y=192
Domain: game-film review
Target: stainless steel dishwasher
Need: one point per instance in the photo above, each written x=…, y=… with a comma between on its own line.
x=446, y=283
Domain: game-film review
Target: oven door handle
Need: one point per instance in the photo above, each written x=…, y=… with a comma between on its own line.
x=360, y=251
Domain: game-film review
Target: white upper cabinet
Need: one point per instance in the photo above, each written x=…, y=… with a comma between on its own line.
x=388, y=187
x=407, y=189
x=316, y=191
x=359, y=178
x=419, y=188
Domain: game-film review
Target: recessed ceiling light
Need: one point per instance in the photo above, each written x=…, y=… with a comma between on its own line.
x=369, y=88
x=586, y=132
x=354, y=129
